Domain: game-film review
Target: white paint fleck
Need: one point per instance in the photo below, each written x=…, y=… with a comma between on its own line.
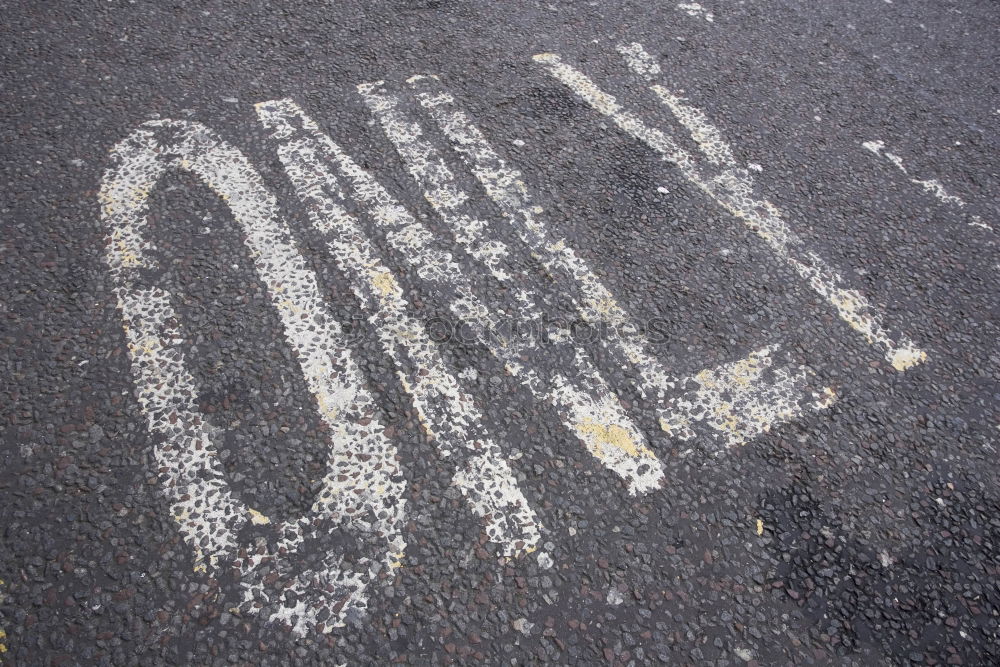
x=935, y=187
x=523, y=626
x=641, y=62
x=470, y=374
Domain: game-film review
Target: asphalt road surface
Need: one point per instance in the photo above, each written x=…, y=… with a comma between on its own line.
x=500, y=332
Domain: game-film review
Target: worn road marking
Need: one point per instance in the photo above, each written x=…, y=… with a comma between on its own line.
x=696, y=10
x=448, y=414
x=362, y=487
x=933, y=186
x=735, y=401
x=596, y=304
x=586, y=404
x=733, y=189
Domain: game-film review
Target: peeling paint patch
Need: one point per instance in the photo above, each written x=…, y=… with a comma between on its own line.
x=907, y=358
x=696, y=10
x=575, y=392
x=738, y=401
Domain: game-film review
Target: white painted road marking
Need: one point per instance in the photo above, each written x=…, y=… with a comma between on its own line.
x=449, y=415
x=588, y=407
x=733, y=403
x=597, y=304
x=362, y=487
x=733, y=189
x=933, y=186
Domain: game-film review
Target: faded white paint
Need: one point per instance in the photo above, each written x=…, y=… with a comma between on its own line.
x=362, y=488
x=935, y=187
x=589, y=408
x=448, y=414
x=733, y=189
x=734, y=400
x=638, y=60
x=877, y=147
x=696, y=10
x=932, y=186
x=596, y=304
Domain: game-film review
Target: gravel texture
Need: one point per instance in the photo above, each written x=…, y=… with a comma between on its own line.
x=864, y=533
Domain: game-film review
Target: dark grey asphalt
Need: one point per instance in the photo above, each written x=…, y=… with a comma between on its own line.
x=879, y=517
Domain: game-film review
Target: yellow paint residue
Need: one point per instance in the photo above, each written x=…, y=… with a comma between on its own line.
x=907, y=357
x=329, y=412
x=384, y=283
x=289, y=305
x=606, y=307
x=520, y=553
x=134, y=194
x=147, y=346
x=257, y=518
x=706, y=379
x=601, y=436
x=760, y=527
x=128, y=257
